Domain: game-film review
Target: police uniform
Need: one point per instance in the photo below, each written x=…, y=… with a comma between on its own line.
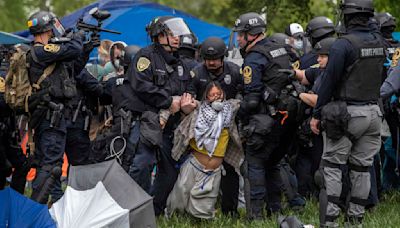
x=260, y=74
x=359, y=88
x=231, y=82
x=50, y=140
x=155, y=76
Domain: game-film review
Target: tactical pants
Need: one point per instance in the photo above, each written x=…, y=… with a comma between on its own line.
x=364, y=126
x=77, y=145
x=50, y=147
x=12, y=157
x=307, y=164
x=167, y=173
x=143, y=161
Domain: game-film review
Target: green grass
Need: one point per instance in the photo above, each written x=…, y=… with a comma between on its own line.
x=386, y=214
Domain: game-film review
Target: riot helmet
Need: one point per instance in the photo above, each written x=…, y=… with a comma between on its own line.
x=44, y=21
x=129, y=53
x=175, y=26
x=323, y=46
x=319, y=28
x=188, y=41
x=386, y=23
x=251, y=23
x=213, y=48
x=357, y=6
x=279, y=38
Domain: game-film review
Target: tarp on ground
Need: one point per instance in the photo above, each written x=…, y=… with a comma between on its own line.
x=103, y=195
x=131, y=16
x=18, y=211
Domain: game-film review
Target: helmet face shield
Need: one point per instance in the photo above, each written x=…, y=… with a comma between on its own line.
x=177, y=27
x=58, y=28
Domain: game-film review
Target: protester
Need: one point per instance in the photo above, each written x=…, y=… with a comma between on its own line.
x=210, y=135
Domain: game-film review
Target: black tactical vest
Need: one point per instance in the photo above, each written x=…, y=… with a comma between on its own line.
x=362, y=80
x=278, y=58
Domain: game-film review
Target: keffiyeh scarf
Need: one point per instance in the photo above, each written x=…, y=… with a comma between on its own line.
x=209, y=125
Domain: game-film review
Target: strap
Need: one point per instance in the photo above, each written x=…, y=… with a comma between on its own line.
x=45, y=74
x=30, y=142
x=330, y=218
x=334, y=199
x=358, y=168
x=358, y=201
x=325, y=163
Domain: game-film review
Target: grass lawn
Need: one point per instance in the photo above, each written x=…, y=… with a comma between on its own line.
x=386, y=214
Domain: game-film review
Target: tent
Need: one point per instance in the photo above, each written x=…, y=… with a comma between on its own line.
x=103, y=195
x=131, y=16
x=9, y=39
x=18, y=211
x=396, y=36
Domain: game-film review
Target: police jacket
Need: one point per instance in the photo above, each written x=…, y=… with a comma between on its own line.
x=354, y=69
x=261, y=65
x=156, y=76
x=230, y=80
x=124, y=97
x=64, y=55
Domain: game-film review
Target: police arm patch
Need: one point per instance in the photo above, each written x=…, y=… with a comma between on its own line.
x=2, y=85
x=247, y=75
x=396, y=57
x=52, y=48
x=142, y=64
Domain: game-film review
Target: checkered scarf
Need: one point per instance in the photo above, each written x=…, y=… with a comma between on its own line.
x=209, y=125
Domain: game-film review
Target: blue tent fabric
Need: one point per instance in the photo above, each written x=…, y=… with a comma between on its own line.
x=18, y=211
x=131, y=16
x=9, y=39
x=396, y=35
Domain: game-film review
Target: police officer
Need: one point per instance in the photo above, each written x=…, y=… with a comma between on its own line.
x=188, y=50
x=11, y=155
x=387, y=25
x=53, y=85
x=156, y=76
x=215, y=68
x=266, y=110
x=317, y=29
x=356, y=142
x=121, y=139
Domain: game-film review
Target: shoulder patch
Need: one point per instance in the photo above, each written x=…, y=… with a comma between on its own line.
x=396, y=57
x=296, y=65
x=247, y=75
x=142, y=64
x=2, y=85
x=192, y=74
x=52, y=48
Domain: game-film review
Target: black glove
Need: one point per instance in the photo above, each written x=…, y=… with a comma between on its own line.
x=79, y=35
x=291, y=73
x=95, y=38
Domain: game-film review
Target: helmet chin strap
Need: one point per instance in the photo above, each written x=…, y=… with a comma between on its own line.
x=169, y=43
x=248, y=42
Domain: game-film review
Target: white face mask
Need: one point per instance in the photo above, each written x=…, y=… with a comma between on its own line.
x=298, y=44
x=217, y=105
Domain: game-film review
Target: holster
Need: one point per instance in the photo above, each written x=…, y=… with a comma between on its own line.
x=335, y=118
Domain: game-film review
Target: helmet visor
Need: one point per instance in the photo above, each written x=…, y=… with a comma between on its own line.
x=58, y=28
x=177, y=27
